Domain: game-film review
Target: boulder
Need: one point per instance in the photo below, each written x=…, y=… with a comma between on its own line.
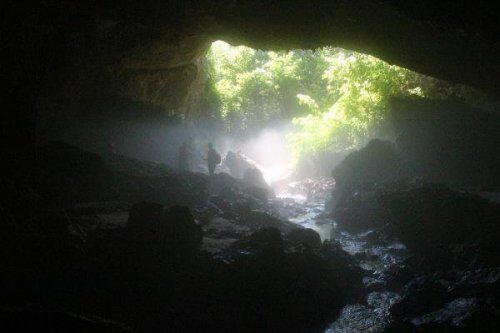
x=160, y=235
x=362, y=170
x=256, y=184
x=359, y=212
x=454, y=301
x=67, y=173
x=237, y=163
x=265, y=241
x=295, y=292
x=307, y=238
x=257, y=219
x=438, y=223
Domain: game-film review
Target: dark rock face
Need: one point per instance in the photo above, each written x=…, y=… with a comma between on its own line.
x=68, y=174
x=360, y=212
x=450, y=279
x=162, y=236
x=447, y=142
x=305, y=237
x=438, y=223
x=358, y=179
x=452, y=301
x=363, y=170
x=265, y=241
x=436, y=142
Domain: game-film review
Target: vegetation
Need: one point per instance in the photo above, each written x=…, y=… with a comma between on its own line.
x=337, y=99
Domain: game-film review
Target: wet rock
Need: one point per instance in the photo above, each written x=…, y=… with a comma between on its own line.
x=308, y=238
x=266, y=241
x=224, y=228
x=359, y=212
x=372, y=284
x=313, y=189
x=421, y=295
x=374, y=237
x=450, y=301
x=293, y=291
x=437, y=223
x=459, y=315
x=345, y=265
x=257, y=219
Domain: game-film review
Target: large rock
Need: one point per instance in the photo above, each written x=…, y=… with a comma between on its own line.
x=256, y=184
x=359, y=212
x=448, y=142
x=437, y=223
x=307, y=238
x=161, y=236
x=67, y=173
x=449, y=302
x=295, y=291
x=238, y=163
x=363, y=170
x=267, y=241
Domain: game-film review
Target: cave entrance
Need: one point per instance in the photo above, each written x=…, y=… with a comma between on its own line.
x=302, y=111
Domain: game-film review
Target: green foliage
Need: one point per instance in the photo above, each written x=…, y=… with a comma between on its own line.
x=256, y=87
x=359, y=86
x=337, y=99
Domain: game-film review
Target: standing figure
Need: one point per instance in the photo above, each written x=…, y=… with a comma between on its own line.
x=184, y=157
x=213, y=158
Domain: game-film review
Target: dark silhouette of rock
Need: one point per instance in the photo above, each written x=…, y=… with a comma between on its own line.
x=437, y=222
x=362, y=170
x=454, y=301
x=266, y=241
x=169, y=236
x=67, y=173
x=258, y=219
x=359, y=212
x=448, y=142
x=305, y=237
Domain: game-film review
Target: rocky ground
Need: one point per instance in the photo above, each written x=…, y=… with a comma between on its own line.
x=152, y=249
x=447, y=279
x=95, y=243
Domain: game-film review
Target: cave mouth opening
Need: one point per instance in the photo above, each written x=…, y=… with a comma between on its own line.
x=300, y=112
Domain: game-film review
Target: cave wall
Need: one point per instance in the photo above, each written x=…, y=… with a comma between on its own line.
x=447, y=142
x=76, y=66
x=125, y=74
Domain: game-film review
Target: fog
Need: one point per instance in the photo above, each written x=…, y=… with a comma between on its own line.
x=267, y=148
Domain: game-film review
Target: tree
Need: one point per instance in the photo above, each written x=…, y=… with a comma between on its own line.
x=337, y=99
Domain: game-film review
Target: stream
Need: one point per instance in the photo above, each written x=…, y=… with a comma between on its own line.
x=375, y=256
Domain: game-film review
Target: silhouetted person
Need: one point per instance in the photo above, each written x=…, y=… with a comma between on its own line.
x=213, y=158
x=184, y=158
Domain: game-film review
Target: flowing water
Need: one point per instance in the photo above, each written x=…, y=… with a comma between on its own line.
x=375, y=257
